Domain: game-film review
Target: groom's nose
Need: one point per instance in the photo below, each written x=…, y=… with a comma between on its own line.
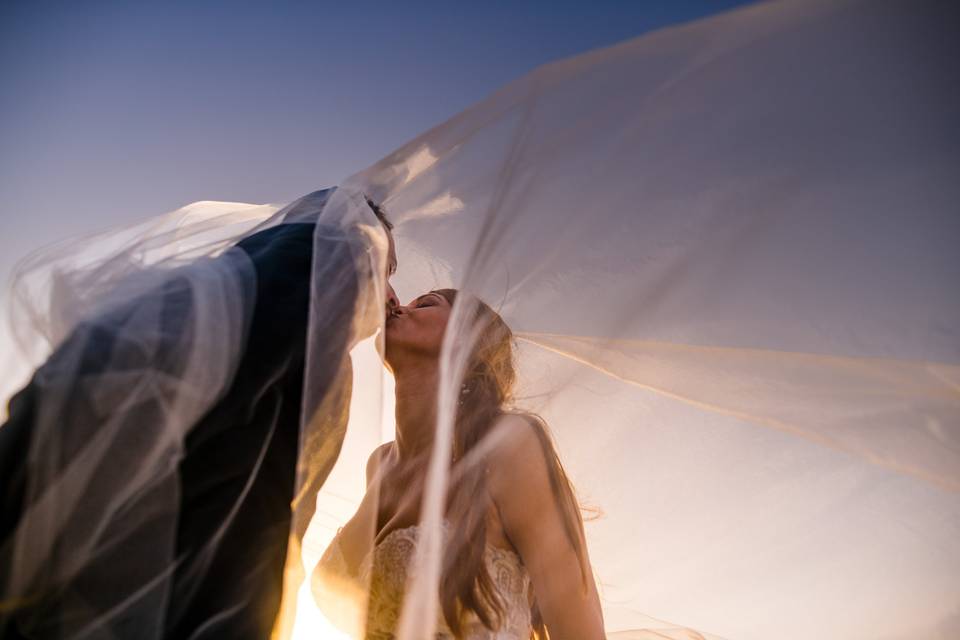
x=392, y=301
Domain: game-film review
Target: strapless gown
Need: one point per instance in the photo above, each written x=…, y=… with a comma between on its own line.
x=385, y=571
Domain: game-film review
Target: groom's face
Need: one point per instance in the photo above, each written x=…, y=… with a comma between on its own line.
x=391, y=302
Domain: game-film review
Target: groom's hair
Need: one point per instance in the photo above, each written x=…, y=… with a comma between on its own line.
x=379, y=212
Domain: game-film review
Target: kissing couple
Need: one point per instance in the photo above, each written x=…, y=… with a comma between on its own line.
x=164, y=459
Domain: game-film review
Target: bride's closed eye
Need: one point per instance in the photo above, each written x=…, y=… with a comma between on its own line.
x=428, y=300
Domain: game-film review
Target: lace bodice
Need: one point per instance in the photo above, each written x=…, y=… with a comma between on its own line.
x=385, y=571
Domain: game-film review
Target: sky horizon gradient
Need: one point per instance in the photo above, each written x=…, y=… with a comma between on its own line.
x=113, y=112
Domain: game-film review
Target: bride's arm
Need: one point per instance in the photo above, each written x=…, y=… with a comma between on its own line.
x=336, y=587
x=519, y=483
x=355, y=538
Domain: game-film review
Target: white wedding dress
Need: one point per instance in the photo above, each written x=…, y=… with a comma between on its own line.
x=382, y=577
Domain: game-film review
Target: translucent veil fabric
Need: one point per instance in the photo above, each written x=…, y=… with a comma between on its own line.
x=165, y=352
x=728, y=251
x=116, y=321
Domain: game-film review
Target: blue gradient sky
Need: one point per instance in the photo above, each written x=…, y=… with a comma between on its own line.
x=113, y=111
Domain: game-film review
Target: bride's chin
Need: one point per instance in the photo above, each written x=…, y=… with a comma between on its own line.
x=386, y=347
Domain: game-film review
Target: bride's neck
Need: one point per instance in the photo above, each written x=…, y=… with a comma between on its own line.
x=416, y=412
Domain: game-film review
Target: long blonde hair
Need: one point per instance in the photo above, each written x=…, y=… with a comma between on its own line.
x=487, y=394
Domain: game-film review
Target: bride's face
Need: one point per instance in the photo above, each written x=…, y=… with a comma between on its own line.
x=416, y=330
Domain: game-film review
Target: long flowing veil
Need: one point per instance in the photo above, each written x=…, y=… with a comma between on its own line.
x=728, y=253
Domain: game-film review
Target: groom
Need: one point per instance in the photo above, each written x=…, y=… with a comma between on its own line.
x=239, y=595
x=237, y=476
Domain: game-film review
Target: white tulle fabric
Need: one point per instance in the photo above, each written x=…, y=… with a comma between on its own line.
x=729, y=253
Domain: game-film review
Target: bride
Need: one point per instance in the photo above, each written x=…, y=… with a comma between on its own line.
x=515, y=561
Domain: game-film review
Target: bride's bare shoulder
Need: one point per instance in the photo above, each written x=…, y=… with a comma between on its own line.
x=519, y=451
x=376, y=460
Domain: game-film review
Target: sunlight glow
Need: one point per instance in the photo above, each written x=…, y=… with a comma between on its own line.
x=311, y=623
x=371, y=423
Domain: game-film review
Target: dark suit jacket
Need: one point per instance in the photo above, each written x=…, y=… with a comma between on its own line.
x=238, y=473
